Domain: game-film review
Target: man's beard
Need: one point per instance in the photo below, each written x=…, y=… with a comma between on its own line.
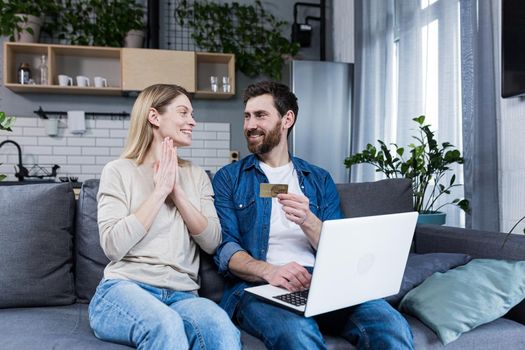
x=269, y=140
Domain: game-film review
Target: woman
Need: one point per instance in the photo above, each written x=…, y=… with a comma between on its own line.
x=154, y=209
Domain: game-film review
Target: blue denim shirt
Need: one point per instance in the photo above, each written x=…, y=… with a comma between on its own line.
x=245, y=217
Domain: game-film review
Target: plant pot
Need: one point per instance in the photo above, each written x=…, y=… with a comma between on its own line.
x=436, y=218
x=32, y=22
x=134, y=38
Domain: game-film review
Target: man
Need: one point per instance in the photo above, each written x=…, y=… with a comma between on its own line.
x=274, y=240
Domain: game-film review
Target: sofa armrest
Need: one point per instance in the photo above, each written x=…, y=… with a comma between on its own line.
x=476, y=243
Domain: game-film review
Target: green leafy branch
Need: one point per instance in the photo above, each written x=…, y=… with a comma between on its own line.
x=6, y=122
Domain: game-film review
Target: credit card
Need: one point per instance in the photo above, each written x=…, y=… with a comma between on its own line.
x=272, y=190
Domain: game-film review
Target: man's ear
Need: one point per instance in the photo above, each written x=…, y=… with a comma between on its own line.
x=288, y=120
x=153, y=116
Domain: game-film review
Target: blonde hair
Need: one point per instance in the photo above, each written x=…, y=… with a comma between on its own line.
x=140, y=133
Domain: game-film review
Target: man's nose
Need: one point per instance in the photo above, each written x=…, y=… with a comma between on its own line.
x=249, y=123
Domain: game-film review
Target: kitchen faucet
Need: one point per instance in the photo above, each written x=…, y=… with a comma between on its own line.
x=22, y=171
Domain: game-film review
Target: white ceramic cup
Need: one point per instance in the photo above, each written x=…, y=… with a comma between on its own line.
x=82, y=80
x=64, y=80
x=100, y=82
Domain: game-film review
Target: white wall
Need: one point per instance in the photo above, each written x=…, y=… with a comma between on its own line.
x=85, y=155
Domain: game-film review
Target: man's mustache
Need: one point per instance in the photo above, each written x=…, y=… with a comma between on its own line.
x=255, y=132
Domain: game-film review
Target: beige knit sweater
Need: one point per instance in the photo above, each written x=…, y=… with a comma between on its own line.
x=166, y=256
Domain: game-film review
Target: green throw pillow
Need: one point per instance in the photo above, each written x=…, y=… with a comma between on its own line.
x=468, y=296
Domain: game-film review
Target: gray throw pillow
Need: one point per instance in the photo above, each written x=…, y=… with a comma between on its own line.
x=89, y=256
x=36, y=240
x=421, y=266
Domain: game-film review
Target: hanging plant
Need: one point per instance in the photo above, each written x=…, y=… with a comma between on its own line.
x=248, y=31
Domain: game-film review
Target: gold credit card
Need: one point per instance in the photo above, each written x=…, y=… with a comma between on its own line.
x=272, y=190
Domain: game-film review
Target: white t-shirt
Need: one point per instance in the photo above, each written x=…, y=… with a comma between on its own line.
x=287, y=241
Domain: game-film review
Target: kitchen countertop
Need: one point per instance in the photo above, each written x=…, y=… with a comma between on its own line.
x=75, y=184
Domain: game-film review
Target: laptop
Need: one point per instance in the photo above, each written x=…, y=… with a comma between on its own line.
x=358, y=259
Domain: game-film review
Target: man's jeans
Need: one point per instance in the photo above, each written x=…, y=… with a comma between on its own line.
x=371, y=325
x=147, y=317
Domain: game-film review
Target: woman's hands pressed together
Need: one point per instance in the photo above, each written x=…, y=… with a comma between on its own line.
x=166, y=174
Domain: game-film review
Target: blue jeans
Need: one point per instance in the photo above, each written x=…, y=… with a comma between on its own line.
x=371, y=325
x=147, y=317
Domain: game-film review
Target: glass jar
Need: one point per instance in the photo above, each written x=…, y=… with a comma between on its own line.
x=43, y=70
x=24, y=73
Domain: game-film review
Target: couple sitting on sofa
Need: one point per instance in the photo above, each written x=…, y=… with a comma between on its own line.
x=155, y=209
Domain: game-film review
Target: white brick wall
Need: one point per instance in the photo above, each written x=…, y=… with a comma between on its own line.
x=85, y=155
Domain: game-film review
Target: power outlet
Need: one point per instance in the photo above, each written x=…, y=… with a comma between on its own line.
x=234, y=156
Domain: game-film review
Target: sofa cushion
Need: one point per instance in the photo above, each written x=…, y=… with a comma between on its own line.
x=376, y=198
x=89, y=256
x=421, y=266
x=499, y=334
x=212, y=284
x=36, y=240
x=466, y=297
x=57, y=327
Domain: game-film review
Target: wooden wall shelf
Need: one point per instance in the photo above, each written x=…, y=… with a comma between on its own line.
x=125, y=69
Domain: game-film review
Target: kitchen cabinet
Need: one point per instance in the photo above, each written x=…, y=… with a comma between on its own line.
x=125, y=69
x=144, y=67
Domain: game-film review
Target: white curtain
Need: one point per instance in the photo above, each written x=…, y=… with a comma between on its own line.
x=407, y=64
x=429, y=83
x=373, y=79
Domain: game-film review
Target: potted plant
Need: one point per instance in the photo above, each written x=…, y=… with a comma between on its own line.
x=6, y=122
x=135, y=22
x=100, y=22
x=426, y=165
x=22, y=20
x=248, y=31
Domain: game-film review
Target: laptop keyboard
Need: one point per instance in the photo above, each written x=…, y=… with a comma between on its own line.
x=295, y=298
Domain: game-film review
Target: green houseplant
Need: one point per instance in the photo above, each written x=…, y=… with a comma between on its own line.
x=18, y=16
x=6, y=122
x=426, y=164
x=248, y=31
x=100, y=22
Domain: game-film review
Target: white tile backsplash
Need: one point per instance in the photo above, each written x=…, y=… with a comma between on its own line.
x=85, y=155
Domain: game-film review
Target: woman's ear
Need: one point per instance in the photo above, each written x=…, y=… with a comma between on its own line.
x=153, y=116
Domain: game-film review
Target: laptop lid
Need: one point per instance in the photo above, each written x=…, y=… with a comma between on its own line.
x=359, y=259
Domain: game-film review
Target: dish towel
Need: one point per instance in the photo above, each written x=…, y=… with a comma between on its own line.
x=76, y=122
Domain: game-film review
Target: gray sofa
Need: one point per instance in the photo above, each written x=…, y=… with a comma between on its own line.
x=51, y=264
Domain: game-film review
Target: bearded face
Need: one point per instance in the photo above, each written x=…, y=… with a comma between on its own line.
x=262, y=141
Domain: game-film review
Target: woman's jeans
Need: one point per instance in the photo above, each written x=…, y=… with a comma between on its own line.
x=371, y=325
x=147, y=317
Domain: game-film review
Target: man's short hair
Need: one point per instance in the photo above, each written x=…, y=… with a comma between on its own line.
x=284, y=99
